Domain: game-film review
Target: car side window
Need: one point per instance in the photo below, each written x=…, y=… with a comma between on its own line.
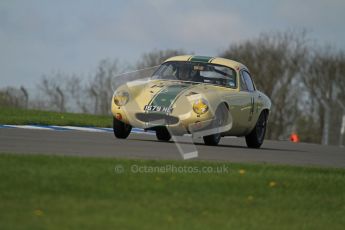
x=243, y=83
x=248, y=80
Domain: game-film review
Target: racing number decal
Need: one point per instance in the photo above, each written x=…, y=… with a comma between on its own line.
x=156, y=108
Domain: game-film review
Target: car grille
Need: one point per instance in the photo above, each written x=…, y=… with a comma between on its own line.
x=152, y=117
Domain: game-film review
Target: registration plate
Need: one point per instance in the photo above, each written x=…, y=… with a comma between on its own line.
x=156, y=108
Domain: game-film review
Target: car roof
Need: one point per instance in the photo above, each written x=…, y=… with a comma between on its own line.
x=205, y=59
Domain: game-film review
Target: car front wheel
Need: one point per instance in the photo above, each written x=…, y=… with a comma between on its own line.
x=121, y=130
x=163, y=134
x=256, y=137
x=221, y=116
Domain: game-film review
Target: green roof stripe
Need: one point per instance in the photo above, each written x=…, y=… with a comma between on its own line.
x=201, y=59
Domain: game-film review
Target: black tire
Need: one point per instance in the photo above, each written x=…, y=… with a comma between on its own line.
x=163, y=134
x=221, y=116
x=121, y=130
x=212, y=140
x=256, y=137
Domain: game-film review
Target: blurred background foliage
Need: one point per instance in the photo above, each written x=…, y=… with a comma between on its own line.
x=305, y=82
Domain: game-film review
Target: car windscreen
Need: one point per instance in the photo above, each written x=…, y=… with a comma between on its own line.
x=197, y=72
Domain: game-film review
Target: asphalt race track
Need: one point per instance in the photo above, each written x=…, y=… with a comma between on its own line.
x=145, y=146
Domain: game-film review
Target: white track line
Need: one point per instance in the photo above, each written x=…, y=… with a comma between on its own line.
x=87, y=129
x=71, y=128
x=29, y=127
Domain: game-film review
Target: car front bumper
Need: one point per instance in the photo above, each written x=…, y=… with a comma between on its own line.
x=176, y=124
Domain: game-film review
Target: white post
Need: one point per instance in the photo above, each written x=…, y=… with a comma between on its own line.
x=342, y=130
x=326, y=121
x=342, y=127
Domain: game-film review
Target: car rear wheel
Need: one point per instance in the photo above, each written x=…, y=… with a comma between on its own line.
x=163, y=134
x=121, y=130
x=221, y=115
x=256, y=137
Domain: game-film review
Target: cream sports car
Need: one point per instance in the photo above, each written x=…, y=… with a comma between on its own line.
x=204, y=96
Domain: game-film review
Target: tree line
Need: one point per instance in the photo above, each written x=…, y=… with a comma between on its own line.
x=305, y=82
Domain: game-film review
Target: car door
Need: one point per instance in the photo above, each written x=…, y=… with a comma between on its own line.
x=248, y=100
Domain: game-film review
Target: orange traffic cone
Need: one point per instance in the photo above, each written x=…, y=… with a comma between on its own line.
x=294, y=137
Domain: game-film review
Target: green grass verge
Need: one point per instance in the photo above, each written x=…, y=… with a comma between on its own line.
x=51, y=192
x=13, y=116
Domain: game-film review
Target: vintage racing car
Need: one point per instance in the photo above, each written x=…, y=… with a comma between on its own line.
x=207, y=97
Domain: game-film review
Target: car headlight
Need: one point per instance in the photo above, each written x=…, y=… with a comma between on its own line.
x=200, y=106
x=121, y=98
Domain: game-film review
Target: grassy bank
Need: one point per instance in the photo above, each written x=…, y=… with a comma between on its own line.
x=12, y=116
x=51, y=192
